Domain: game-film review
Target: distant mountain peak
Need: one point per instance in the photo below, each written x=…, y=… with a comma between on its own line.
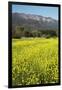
x=34, y=21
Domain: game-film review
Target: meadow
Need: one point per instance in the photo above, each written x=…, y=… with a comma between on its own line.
x=34, y=61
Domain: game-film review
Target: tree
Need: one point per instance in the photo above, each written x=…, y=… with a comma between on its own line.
x=19, y=32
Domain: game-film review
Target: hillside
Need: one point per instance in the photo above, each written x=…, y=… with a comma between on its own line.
x=30, y=23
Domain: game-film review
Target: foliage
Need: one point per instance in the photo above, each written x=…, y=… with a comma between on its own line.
x=23, y=32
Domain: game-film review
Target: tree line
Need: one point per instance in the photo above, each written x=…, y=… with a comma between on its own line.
x=20, y=32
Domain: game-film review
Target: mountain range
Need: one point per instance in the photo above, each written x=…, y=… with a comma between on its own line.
x=34, y=21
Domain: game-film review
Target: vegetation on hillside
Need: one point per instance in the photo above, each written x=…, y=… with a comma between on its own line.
x=22, y=32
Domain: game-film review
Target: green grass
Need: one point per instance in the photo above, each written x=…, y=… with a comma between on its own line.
x=34, y=61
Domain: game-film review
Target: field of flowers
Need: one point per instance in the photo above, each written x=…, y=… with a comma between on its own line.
x=34, y=61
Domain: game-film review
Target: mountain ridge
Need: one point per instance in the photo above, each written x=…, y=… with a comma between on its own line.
x=34, y=21
x=35, y=15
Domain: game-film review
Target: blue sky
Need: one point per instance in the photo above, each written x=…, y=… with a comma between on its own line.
x=37, y=10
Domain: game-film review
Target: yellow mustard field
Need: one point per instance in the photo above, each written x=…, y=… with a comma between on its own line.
x=34, y=61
